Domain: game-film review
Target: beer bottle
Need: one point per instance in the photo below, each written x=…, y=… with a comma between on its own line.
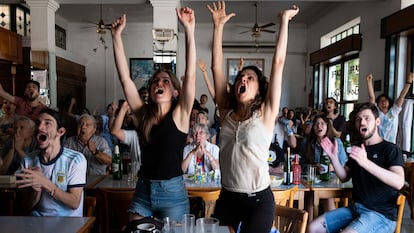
x=324, y=170
x=287, y=171
x=116, y=164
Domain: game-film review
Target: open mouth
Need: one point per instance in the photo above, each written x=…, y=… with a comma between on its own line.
x=159, y=91
x=363, y=130
x=242, y=89
x=42, y=137
x=82, y=132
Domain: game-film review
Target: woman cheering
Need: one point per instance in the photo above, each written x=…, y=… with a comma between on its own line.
x=162, y=128
x=248, y=114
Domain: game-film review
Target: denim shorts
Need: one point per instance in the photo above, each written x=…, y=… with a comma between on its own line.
x=358, y=218
x=161, y=198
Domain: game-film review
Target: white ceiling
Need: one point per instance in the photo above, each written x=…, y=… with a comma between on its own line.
x=141, y=10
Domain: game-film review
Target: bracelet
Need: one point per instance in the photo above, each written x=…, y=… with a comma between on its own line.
x=96, y=152
x=409, y=83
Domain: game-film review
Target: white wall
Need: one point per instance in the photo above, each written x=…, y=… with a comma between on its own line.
x=102, y=85
x=372, y=54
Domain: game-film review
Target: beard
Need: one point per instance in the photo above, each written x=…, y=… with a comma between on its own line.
x=31, y=96
x=368, y=134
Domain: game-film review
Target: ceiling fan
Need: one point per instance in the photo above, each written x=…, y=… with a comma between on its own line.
x=101, y=27
x=256, y=29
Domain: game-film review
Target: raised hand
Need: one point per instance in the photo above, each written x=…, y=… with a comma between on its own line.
x=218, y=13
x=369, y=78
x=359, y=154
x=202, y=65
x=330, y=148
x=290, y=13
x=118, y=25
x=186, y=17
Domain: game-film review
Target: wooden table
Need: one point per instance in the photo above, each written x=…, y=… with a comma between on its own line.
x=299, y=195
x=333, y=188
x=24, y=224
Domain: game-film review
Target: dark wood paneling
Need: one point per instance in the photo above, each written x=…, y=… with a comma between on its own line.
x=10, y=46
x=343, y=47
x=400, y=21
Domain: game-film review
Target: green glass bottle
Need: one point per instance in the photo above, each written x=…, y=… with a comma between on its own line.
x=116, y=164
x=324, y=170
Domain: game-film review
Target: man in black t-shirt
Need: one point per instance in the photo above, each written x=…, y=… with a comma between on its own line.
x=376, y=169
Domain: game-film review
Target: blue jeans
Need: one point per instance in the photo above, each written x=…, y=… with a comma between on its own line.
x=359, y=218
x=161, y=198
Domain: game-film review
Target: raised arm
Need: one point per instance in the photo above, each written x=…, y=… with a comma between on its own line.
x=404, y=91
x=203, y=68
x=272, y=101
x=128, y=86
x=116, y=129
x=5, y=95
x=182, y=112
x=70, y=109
x=370, y=89
x=220, y=17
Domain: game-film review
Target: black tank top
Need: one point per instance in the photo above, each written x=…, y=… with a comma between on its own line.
x=163, y=154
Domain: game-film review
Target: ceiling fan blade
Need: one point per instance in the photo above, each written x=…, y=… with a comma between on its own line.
x=245, y=32
x=267, y=25
x=267, y=30
x=242, y=26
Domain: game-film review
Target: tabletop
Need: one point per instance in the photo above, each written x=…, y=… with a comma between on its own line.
x=24, y=224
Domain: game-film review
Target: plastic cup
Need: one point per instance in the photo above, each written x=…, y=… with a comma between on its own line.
x=207, y=225
x=188, y=223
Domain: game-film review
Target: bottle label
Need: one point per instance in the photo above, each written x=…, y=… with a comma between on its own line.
x=323, y=169
x=115, y=167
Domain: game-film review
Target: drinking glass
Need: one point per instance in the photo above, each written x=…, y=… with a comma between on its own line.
x=188, y=223
x=311, y=174
x=207, y=225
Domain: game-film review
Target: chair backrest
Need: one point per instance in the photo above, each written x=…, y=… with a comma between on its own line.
x=290, y=220
x=401, y=204
x=89, y=204
x=209, y=197
x=285, y=197
x=112, y=206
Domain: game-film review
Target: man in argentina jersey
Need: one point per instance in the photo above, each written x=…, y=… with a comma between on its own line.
x=56, y=176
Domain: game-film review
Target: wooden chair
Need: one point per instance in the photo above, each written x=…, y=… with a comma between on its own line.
x=290, y=220
x=409, y=187
x=285, y=197
x=89, y=205
x=401, y=204
x=112, y=209
x=209, y=196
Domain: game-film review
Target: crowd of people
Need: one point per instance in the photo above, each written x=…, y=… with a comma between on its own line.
x=166, y=132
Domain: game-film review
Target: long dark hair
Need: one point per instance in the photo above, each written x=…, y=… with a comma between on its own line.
x=148, y=114
x=256, y=103
x=312, y=139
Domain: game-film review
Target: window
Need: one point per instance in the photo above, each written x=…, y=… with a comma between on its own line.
x=5, y=16
x=345, y=33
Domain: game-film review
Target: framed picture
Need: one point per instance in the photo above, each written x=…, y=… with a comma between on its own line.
x=141, y=68
x=232, y=66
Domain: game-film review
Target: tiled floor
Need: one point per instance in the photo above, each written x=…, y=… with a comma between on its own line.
x=407, y=223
